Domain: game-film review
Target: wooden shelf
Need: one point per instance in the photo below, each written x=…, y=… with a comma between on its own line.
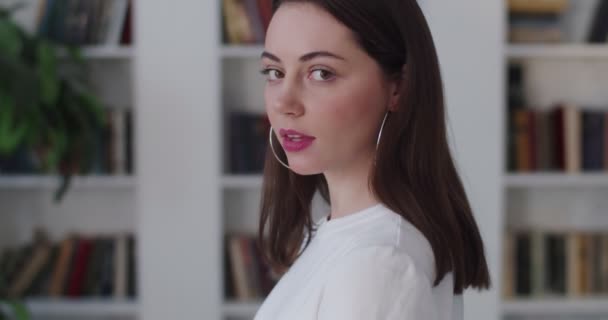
x=555, y=180
x=105, y=52
x=239, y=309
x=544, y=51
x=242, y=51
x=97, y=307
x=242, y=181
x=46, y=182
x=556, y=306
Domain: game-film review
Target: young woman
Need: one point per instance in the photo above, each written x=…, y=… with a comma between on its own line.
x=355, y=99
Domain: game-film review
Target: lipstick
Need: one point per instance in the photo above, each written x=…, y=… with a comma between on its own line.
x=294, y=141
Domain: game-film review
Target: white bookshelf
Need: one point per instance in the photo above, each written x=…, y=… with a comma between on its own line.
x=241, y=90
x=540, y=199
x=545, y=51
x=556, y=180
x=240, y=192
x=592, y=306
x=93, y=204
x=252, y=181
x=24, y=182
x=105, y=52
x=82, y=308
x=237, y=309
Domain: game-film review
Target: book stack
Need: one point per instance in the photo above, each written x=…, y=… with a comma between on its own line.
x=85, y=22
x=78, y=266
x=245, y=21
x=247, y=275
x=248, y=136
x=541, y=263
x=564, y=138
x=536, y=21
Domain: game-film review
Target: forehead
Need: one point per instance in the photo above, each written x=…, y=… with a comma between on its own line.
x=298, y=28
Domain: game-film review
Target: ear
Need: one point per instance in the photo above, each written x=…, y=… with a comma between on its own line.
x=396, y=90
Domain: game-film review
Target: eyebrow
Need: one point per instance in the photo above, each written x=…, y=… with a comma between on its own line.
x=306, y=57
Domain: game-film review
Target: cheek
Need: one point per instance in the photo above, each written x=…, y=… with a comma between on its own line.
x=355, y=106
x=269, y=98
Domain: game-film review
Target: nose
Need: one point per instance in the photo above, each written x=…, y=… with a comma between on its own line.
x=288, y=101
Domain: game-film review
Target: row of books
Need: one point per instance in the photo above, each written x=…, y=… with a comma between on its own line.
x=248, y=140
x=245, y=21
x=115, y=143
x=247, y=276
x=112, y=154
x=549, y=21
x=564, y=138
x=77, y=266
x=86, y=22
x=541, y=263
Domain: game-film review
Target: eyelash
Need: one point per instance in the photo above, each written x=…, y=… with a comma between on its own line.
x=266, y=71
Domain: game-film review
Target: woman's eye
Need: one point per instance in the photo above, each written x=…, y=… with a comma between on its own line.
x=322, y=75
x=272, y=74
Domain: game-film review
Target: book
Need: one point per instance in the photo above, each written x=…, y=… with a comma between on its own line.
x=32, y=267
x=60, y=270
x=599, y=27
x=555, y=263
x=593, y=140
x=537, y=6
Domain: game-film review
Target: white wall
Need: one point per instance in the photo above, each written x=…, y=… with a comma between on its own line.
x=469, y=39
x=178, y=198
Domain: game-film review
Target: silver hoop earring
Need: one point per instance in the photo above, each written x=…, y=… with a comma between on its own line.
x=380, y=132
x=275, y=154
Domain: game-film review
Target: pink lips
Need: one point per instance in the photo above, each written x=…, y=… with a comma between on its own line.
x=294, y=141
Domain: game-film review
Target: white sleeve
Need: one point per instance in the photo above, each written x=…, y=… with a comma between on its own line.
x=377, y=283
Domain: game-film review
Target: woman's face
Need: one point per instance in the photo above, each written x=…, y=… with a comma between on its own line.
x=324, y=87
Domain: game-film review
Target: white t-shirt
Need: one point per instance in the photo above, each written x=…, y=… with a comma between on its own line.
x=371, y=264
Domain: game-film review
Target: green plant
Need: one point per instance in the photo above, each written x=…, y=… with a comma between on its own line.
x=13, y=310
x=45, y=104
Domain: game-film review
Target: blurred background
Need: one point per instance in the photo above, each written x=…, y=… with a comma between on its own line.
x=132, y=134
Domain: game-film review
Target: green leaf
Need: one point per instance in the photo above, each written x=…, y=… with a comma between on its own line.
x=20, y=311
x=47, y=72
x=11, y=44
x=75, y=54
x=94, y=106
x=58, y=146
x=11, y=133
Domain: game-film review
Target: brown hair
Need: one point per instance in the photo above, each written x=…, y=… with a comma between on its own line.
x=414, y=174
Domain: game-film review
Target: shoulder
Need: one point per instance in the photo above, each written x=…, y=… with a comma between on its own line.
x=380, y=282
x=395, y=239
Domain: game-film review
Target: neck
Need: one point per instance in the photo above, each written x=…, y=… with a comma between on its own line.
x=349, y=189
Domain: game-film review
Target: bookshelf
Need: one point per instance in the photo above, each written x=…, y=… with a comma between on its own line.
x=546, y=51
x=555, y=201
x=105, y=52
x=79, y=182
x=40, y=308
x=98, y=204
x=557, y=307
x=233, y=309
x=556, y=180
x=241, y=89
x=242, y=181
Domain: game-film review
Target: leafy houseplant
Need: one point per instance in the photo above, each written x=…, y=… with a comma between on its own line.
x=46, y=108
x=13, y=310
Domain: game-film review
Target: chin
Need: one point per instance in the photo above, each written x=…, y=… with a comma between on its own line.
x=304, y=169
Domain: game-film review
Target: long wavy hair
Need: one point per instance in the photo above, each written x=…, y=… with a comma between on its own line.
x=414, y=176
